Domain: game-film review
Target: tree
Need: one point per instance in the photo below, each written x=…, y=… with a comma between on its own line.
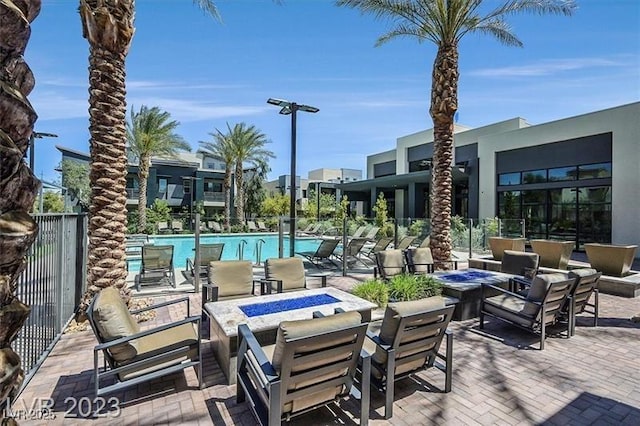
x=327, y=204
x=52, y=202
x=150, y=133
x=254, y=188
x=445, y=22
x=249, y=147
x=18, y=185
x=277, y=205
x=381, y=211
x=108, y=27
x=75, y=177
x=222, y=149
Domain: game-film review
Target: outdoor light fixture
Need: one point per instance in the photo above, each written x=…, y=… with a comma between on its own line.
x=292, y=108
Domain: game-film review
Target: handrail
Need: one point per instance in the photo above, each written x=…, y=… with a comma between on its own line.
x=259, y=244
x=240, y=250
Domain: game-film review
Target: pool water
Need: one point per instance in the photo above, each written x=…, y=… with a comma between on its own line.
x=184, y=245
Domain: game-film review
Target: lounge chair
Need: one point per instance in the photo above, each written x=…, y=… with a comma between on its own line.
x=287, y=274
x=405, y=242
x=389, y=263
x=419, y=260
x=426, y=242
x=536, y=310
x=208, y=254
x=520, y=263
x=579, y=298
x=131, y=356
x=163, y=228
x=251, y=226
x=371, y=234
x=352, y=251
x=381, y=244
x=358, y=233
x=176, y=226
x=214, y=226
x=229, y=279
x=323, y=252
x=156, y=266
x=407, y=341
x=262, y=227
x=312, y=364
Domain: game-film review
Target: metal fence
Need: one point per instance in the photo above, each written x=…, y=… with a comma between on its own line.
x=52, y=285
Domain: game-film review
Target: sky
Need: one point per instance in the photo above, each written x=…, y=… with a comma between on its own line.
x=208, y=74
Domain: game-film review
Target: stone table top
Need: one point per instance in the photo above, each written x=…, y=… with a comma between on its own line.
x=228, y=315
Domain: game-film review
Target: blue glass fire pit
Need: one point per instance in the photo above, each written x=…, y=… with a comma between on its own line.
x=466, y=276
x=267, y=308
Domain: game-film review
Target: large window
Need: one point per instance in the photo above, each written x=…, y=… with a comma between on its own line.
x=509, y=204
x=509, y=179
x=563, y=173
x=534, y=212
x=534, y=176
x=594, y=171
x=211, y=185
x=162, y=185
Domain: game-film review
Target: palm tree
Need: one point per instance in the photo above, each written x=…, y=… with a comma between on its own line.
x=18, y=185
x=249, y=147
x=108, y=26
x=445, y=22
x=150, y=132
x=222, y=148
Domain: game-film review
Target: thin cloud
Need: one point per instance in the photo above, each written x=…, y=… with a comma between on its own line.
x=546, y=67
x=163, y=85
x=188, y=111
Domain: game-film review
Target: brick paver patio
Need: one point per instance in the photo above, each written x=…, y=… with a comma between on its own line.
x=592, y=378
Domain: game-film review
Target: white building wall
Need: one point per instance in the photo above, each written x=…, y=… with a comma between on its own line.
x=622, y=121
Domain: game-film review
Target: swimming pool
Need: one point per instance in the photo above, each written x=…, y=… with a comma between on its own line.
x=184, y=245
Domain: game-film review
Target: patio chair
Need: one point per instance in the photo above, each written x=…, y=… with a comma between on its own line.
x=229, y=279
x=163, y=228
x=533, y=312
x=352, y=251
x=426, y=242
x=176, y=226
x=408, y=341
x=522, y=264
x=371, y=234
x=405, y=242
x=214, y=226
x=419, y=260
x=156, y=266
x=323, y=252
x=358, y=233
x=381, y=244
x=131, y=356
x=286, y=274
x=389, y=263
x=262, y=227
x=251, y=226
x=312, y=364
x=208, y=254
x=586, y=285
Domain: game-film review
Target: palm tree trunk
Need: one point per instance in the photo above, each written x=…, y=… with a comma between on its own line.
x=108, y=26
x=18, y=185
x=227, y=199
x=444, y=104
x=239, y=194
x=143, y=176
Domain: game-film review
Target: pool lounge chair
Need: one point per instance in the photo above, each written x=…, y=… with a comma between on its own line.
x=352, y=251
x=156, y=267
x=251, y=226
x=163, y=228
x=405, y=242
x=310, y=230
x=323, y=252
x=262, y=227
x=176, y=226
x=208, y=254
x=371, y=249
x=358, y=233
x=214, y=226
x=371, y=234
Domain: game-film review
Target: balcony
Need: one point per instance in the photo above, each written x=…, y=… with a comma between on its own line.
x=133, y=193
x=214, y=196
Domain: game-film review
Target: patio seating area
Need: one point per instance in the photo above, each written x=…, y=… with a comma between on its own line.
x=498, y=378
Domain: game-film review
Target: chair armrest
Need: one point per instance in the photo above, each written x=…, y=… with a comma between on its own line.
x=376, y=339
x=268, y=285
x=322, y=276
x=161, y=304
x=501, y=290
x=214, y=292
x=244, y=333
x=111, y=343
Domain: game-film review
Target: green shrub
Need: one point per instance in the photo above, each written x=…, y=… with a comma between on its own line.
x=406, y=287
x=374, y=291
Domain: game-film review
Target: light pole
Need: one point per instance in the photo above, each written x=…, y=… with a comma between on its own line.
x=292, y=108
x=32, y=144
